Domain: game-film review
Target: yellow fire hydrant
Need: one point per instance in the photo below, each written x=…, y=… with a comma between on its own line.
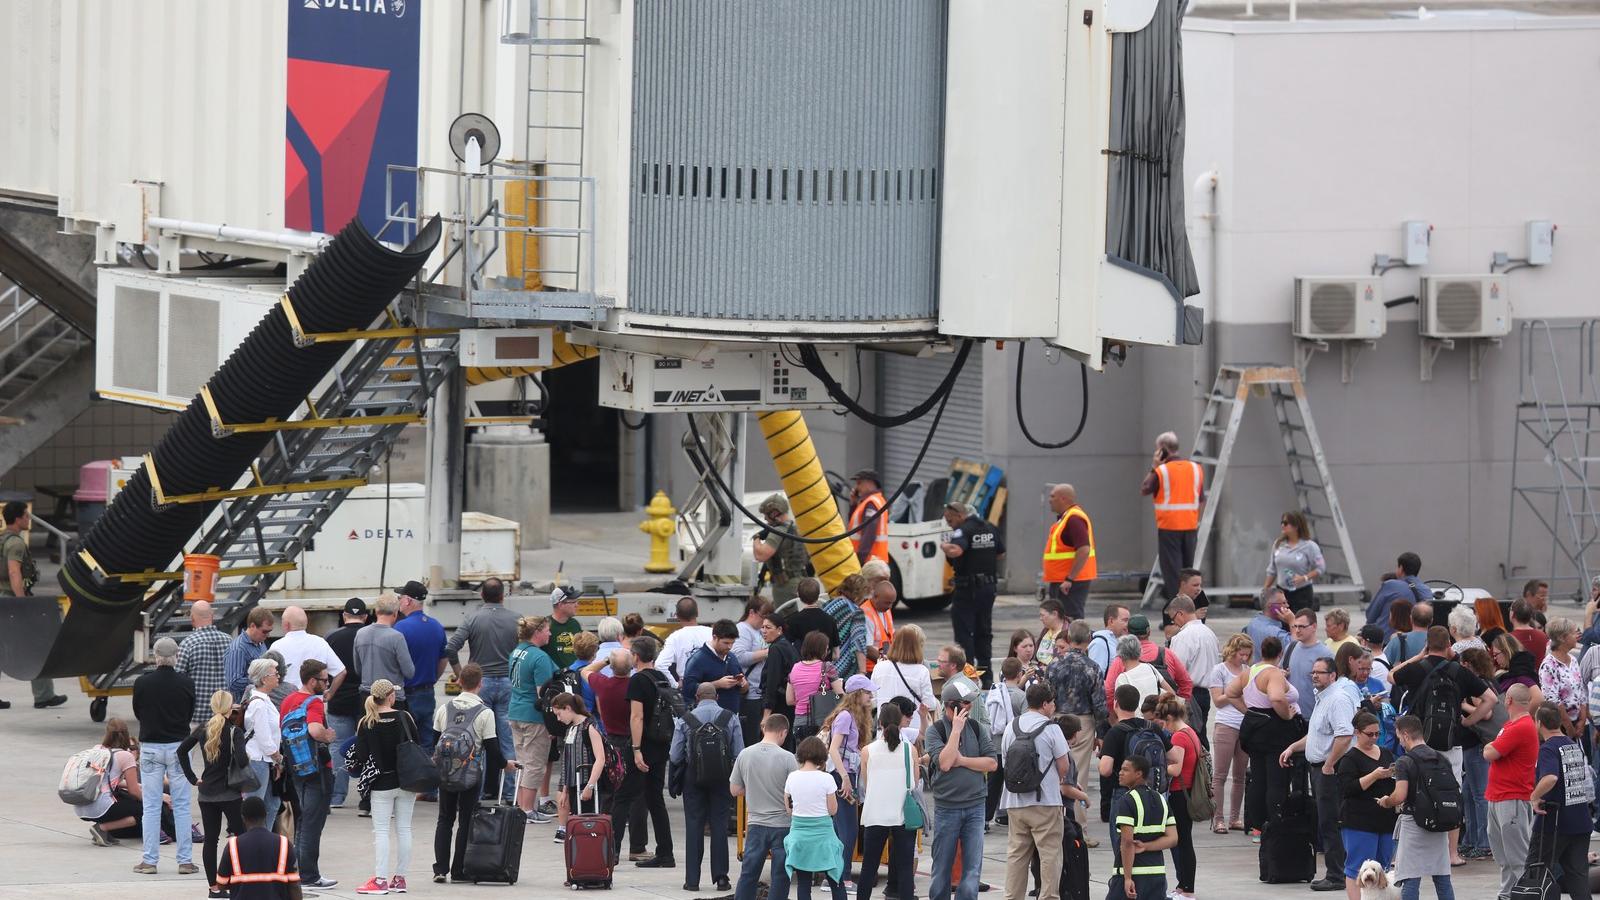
x=660, y=525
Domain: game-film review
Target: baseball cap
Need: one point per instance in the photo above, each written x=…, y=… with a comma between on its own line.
x=957, y=692
x=355, y=606
x=958, y=508
x=869, y=474
x=1138, y=625
x=859, y=682
x=166, y=648
x=1371, y=633
x=564, y=594
x=416, y=590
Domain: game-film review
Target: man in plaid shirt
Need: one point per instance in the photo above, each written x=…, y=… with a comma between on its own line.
x=1079, y=692
x=200, y=657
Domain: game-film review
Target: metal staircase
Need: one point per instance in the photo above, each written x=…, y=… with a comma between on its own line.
x=312, y=464
x=1558, y=408
x=1308, y=471
x=37, y=346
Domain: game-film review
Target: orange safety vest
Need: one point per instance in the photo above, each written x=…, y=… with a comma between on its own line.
x=882, y=625
x=238, y=875
x=1177, y=499
x=1058, y=557
x=880, y=546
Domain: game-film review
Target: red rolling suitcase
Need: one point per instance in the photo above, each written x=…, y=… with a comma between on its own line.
x=591, y=849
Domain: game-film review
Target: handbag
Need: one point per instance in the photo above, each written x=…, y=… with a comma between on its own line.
x=241, y=776
x=413, y=765
x=910, y=807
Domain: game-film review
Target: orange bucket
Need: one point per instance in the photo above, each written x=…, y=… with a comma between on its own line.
x=200, y=576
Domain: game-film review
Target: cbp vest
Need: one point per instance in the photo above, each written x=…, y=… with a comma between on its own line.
x=870, y=505
x=1177, y=500
x=1058, y=557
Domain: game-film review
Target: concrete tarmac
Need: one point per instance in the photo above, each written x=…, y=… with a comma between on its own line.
x=45, y=851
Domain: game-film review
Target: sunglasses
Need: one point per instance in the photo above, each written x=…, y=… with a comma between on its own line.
x=1372, y=734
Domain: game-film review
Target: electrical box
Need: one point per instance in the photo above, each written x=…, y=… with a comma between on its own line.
x=723, y=381
x=1417, y=237
x=1541, y=241
x=518, y=347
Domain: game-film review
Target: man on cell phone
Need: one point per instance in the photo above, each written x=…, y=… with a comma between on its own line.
x=1177, y=487
x=714, y=662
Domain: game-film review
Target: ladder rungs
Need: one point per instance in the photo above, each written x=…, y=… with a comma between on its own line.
x=1219, y=398
x=1203, y=460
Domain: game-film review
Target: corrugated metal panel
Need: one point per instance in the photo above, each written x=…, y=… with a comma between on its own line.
x=905, y=381
x=29, y=69
x=785, y=159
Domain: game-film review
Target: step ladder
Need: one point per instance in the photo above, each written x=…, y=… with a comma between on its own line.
x=1558, y=408
x=1309, y=474
x=313, y=462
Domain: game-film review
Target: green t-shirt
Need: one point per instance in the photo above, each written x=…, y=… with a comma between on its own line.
x=14, y=548
x=561, y=638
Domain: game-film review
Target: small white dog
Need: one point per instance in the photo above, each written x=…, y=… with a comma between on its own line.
x=1375, y=883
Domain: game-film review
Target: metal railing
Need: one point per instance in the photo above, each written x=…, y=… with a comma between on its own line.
x=34, y=342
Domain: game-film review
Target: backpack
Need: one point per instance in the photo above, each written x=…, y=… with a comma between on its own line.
x=299, y=751
x=997, y=703
x=1022, y=770
x=1160, y=664
x=564, y=682
x=457, y=752
x=85, y=777
x=710, y=758
x=611, y=777
x=1202, y=802
x=663, y=718
x=1437, y=702
x=1146, y=744
x=1437, y=805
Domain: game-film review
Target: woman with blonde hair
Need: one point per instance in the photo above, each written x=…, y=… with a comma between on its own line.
x=847, y=729
x=903, y=673
x=379, y=734
x=218, y=802
x=1228, y=754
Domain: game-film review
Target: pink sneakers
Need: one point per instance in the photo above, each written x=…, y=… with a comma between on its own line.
x=374, y=886
x=397, y=884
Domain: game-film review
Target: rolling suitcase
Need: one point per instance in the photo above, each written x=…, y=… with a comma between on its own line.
x=1287, y=855
x=1074, y=861
x=494, y=842
x=591, y=849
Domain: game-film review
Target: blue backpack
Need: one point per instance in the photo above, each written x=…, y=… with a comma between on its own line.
x=1147, y=743
x=299, y=751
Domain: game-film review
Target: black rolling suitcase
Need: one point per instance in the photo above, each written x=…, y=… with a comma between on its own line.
x=494, y=841
x=1287, y=855
x=1074, y=860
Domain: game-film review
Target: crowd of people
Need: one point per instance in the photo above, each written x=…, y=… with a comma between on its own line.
x=818, y=732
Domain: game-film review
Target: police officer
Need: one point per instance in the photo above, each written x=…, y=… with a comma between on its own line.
x=784, y=560
x=974, y=549
x=18, y=574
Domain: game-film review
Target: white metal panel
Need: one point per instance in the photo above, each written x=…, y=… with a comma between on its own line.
x=1083, y=187
x=1001, y=223
x=905, y=381
x=30, y=71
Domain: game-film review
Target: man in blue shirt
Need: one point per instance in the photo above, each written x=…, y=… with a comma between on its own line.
x=246, y=649
x=1402, y=584
x=1273, y=621
x=1103, y=643
x=715, y=663
x=425, y=639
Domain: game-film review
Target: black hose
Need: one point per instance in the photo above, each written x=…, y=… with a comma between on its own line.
x=346, y=287
x=813, y=364
x=1083, y=415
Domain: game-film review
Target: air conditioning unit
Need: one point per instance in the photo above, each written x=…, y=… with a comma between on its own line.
x=1465, y=306
x=1339, y=308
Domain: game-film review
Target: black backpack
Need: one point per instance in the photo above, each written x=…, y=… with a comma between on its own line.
x=1023, y=774
x=710, y=757
x=1436, y=795
x=662, y=719
x=564, y=682
x=1437, y=702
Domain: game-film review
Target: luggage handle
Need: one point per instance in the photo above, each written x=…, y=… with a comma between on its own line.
x=516, y=785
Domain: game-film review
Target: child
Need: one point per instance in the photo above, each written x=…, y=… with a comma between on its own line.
x=1145, y=828
x=583, y=757
x=811, y=845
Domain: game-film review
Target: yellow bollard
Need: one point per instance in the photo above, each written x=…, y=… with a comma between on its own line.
x=660, y=525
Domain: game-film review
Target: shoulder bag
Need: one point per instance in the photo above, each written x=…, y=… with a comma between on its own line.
x=412, y=764
x=241, y=777
x=910, y=807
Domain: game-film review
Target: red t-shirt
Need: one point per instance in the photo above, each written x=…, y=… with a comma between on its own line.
x=1191, y=756
x=1511, y=776
x=611, y=696
x=316, y=712
x=1534, y=641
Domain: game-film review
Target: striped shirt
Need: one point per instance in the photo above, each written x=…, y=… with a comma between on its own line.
x=200, y=657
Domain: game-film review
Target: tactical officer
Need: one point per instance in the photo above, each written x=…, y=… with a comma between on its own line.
x=974, y=549
x=18, y=574
x=784, y=560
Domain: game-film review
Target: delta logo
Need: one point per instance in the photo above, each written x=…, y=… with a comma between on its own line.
x=392, y=534
x=376, y=7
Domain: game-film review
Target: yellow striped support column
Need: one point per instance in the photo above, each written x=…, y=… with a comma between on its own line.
x=816, y=513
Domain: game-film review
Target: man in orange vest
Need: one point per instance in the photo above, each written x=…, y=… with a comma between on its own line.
x=867, y=503
x=1177, y=487
x=1069, y=564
